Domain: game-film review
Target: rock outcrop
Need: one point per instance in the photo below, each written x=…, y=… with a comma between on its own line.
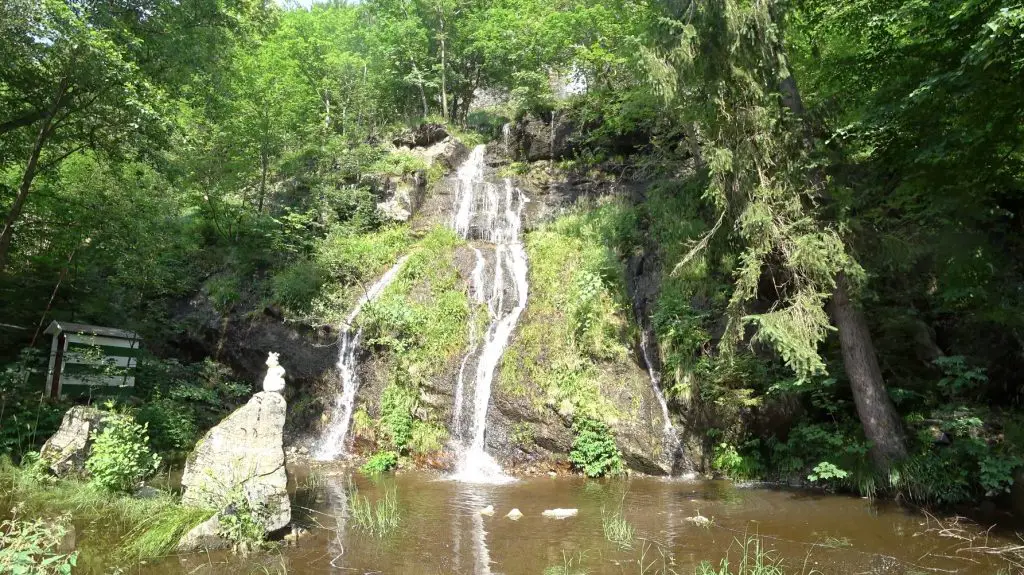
x=241, y=339
x=67, y=450
x=399, y=198
x=422, y=136
x=242, y=458
x=532, y=139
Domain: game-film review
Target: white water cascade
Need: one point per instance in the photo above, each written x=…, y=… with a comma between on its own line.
x=491, y=215
x=332, y=443
x=668, y=430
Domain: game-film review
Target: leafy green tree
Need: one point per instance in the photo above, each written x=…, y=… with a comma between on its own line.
x=69, y=85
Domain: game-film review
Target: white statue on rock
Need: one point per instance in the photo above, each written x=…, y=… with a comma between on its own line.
x=274, y=381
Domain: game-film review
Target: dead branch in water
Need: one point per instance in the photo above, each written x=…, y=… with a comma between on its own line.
x=976, y=541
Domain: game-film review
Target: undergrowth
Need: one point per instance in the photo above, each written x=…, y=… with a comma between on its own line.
x=418, y=328
x=570, y=352
x=139, y=529
x=593, y=449
x=380, y=462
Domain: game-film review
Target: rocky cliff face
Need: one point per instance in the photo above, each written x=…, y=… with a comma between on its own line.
x=524, y=430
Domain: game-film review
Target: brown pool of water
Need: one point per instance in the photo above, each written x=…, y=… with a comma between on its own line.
x=442, y=531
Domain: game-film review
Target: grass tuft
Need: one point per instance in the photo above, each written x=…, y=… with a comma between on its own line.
x=377, y=520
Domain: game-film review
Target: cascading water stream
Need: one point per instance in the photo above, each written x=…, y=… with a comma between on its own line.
x=332, y=443
x=492, y=215
x=668, y=430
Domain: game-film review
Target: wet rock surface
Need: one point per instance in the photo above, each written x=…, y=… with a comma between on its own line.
x=242, y=341
x=67, y=450
x=532, y=138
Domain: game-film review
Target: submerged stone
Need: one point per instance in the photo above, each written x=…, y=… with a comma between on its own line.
x=515, y=514
x=699, y=520
x=560, y=513
x=205, y=536
x=147, y=492
x=67, y=450
x=489, y=510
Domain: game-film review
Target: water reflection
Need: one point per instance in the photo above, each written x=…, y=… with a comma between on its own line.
x=442, y=530
x=466, y=503
x=336, y=489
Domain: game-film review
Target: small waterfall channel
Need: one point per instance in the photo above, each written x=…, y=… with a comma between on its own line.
x=668, y=430
x=488, y=214
x=332, y=443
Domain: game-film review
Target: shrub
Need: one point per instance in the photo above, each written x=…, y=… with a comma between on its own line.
x=427, y=437
x=826, y=472
x=593, y=450
x=297, y=285
x=26, y=419
x=33, y=547
x=239, y=523
x=121, y=457
x=396, y=405
x=380, y=462
x=224, y=292
x=182, y=400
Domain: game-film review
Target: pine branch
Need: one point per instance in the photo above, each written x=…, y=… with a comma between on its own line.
x=702, y=244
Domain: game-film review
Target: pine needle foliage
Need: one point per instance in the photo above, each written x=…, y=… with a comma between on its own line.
x=720, y=65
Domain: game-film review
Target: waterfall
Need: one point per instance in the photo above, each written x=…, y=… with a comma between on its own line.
x=332, y=444
x=490, y=214
x=667, y=430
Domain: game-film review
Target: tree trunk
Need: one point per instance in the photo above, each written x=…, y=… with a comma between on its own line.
x=444, y=82
x=31, y=169
x=264, y=161
x=877, y=414
x=875, y=409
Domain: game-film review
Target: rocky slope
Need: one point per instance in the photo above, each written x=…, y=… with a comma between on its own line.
x=528, y=428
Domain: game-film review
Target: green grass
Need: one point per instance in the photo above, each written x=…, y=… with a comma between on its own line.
x=349, y=263
x=750, y=556
x=109, y=525
x=616, y=528
x=422, y=315
x=380, y=519
x=418, y=327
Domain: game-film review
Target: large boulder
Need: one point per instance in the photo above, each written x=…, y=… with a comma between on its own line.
x=243, y=457
x=67, y=450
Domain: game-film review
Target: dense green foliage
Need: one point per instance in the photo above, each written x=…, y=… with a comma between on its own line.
x=139, y=529
x=32, y=547
x=830, y=191
x=380, y=462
